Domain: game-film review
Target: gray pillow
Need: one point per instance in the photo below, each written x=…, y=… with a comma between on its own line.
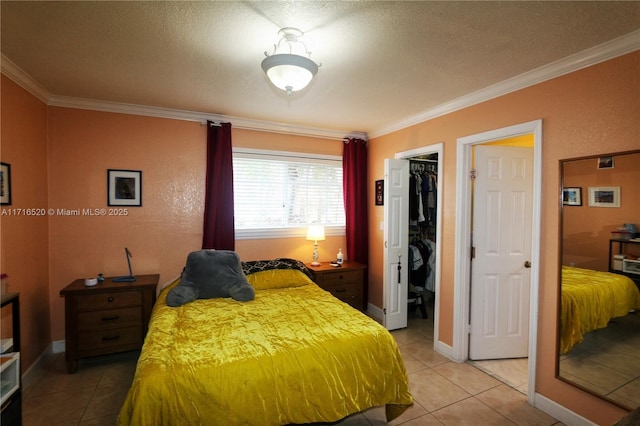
x=209, y=274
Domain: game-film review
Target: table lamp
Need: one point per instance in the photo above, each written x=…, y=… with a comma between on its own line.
x=315, y=233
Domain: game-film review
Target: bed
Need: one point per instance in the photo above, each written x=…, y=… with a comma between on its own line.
x=590, y=299
x=295, y=354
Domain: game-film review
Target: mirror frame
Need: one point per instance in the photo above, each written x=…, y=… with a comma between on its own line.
x=559, y=265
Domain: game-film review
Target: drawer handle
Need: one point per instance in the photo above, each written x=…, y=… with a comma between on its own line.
x=342, y=290
x=110, y=299
x=115, y=317
x=105, y=339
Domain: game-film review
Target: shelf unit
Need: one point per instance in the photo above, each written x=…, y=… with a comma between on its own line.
x=625, y=266
x=10, y=379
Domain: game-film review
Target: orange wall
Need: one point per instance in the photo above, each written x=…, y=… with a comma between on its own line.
x=82, y=146
x=160, y=234
x=591, y=111
x=24, y=252
x=587, y=230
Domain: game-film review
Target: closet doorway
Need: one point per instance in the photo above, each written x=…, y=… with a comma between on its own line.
x=424, y=229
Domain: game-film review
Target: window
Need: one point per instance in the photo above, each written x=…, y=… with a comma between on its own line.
x=278, y=194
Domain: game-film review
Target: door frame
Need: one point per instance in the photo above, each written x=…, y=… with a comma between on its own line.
x=437, y=148
x=462, y=259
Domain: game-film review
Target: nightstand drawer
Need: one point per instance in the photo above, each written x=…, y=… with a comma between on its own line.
x=344, y=283
x=109, y=338
x=340, y=277
x=346, y=291
x=112, y=318
x=109, y=300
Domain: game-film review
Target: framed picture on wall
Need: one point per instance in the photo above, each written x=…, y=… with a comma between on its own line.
x=604, y=196
x=380, y=193
x=605, y=162
x=572, y=196
x=124, y=188
x=5, y=184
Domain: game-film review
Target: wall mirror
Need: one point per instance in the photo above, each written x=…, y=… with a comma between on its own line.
x=598, y=329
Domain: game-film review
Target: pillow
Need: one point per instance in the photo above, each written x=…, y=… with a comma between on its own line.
x=278, y=278
x=209, y=274
x=254, y=266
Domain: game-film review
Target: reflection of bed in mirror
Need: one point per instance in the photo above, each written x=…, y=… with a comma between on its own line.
x=590, y=299
x=607, y=361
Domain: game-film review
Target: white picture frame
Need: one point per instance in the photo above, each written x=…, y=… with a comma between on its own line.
x=604, y=196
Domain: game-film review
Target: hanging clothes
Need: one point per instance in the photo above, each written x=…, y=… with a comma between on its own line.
x=430, y=281
x=423, y=195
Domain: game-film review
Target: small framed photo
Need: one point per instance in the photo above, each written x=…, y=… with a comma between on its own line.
x=604, y=196
x=124, y=188
x=605, y=162
x=380, y=193
x=572, y=196
x=5, y=184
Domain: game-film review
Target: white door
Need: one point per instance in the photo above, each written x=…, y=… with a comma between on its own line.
x=501, y=274
x=396, y=235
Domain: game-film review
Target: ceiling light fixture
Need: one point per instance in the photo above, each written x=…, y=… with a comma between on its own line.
x=289, y=67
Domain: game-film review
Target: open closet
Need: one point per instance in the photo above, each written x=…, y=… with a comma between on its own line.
x=423, y=206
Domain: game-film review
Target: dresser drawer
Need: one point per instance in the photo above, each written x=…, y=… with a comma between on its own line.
x=340, y=277
x=102, y=339
x=344, y=291
x=109, y=300
x=112, y=318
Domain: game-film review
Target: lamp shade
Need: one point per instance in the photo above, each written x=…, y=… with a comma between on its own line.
x=289, y=72
x=315, y=233
x=289, y=67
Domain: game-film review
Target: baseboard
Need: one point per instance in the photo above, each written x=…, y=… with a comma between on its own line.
x=444, y=349
x=58, y=346
x=375, y=312
x=38, y=367
x=559, y=412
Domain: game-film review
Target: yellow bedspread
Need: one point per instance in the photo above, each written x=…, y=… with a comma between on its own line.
x=590, y=299
x=293, y=355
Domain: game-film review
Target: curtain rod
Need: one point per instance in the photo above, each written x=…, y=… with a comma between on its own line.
x=211, y=124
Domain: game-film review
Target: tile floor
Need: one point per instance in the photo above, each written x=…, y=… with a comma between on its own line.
x=608, y=361
x=445, y=393
x=512, y=372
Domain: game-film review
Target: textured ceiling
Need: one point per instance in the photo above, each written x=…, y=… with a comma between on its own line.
x=381, y=61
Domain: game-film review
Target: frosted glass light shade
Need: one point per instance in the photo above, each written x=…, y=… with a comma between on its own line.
x=289, y=72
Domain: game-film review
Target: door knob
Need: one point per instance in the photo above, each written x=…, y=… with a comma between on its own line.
x=527, y=264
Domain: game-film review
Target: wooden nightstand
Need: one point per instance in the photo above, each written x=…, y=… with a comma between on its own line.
x=107, y=318
x=344, y=282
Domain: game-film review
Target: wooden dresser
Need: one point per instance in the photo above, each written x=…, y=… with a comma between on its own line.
x=344, y=282
x=107, y=318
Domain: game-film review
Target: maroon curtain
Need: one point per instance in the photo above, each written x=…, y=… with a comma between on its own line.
x=354, y=169
x=218, y=232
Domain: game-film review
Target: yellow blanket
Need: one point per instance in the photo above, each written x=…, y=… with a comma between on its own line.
x=590, y=299
x=293, y=355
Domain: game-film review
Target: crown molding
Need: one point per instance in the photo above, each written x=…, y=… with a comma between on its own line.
x=603, y=52
x=176, y=114
x=597, y=54
x=23, y=79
